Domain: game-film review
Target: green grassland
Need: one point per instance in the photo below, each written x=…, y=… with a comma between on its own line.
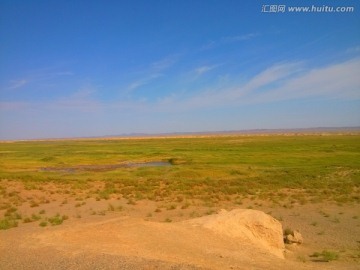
x=299, y=168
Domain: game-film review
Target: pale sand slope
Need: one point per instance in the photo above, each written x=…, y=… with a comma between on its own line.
x=212, y=242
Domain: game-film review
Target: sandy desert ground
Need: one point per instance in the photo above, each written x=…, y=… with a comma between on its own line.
x=139, y=236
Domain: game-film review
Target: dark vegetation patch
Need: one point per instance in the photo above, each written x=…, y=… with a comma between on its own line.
x=105, y=167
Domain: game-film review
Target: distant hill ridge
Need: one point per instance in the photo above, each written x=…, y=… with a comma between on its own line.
x=213, y=133
x=242, y=131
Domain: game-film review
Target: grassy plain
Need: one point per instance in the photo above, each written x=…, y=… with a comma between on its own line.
x=278, y=168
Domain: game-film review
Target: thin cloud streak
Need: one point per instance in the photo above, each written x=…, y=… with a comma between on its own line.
x=355, y=49
x=143, y=81
x=229, y=39
x=164, y=64
x=239, y=38
x=15, y=84
x=271, y=75
x=204, y=69
x=236, y=93
x=280, y=83
x=155, y=71
x=335, y=81
x=37, y=77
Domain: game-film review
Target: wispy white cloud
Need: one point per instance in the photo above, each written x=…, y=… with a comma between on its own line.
x=15, y=84
x=164, y=64
x=355, y=49
x=143, y=81
x=204, y=69
x=280, y=82
x=272, y=74
x=239, y=37
x=229, y=39
x=240, y=92
x=136, y=84
x=37, y=76
x=339, y=80
x=62, y=73
x=154, y=71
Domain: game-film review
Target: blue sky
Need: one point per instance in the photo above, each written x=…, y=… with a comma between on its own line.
x=93, y=68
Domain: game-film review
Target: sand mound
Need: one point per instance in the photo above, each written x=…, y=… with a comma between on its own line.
x=248, y=225
x=239, y=239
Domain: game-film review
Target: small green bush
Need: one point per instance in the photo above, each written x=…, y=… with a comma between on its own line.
x=27, y=220
x=57, y=220
x=7, y=223
x=326, y=255
x=43, y=224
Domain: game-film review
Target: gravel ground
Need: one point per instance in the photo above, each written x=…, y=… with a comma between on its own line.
x=51, y=259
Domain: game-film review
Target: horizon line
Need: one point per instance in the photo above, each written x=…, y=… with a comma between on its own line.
x=259, y=131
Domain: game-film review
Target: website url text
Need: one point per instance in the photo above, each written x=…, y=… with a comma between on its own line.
x=306, y=9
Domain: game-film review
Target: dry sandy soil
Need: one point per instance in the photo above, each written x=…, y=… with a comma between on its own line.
x=116, y=234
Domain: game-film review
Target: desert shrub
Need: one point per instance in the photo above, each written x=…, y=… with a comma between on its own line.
x=7, y=223
x=326, y=255
x=57, y=220
x=43, y=224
